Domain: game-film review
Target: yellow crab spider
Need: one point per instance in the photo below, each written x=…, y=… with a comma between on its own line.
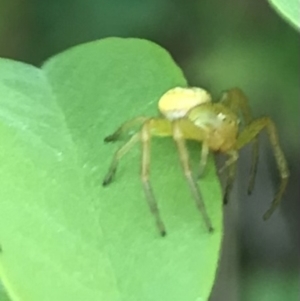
x=190, y=114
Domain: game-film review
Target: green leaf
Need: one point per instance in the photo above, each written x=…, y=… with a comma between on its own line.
x=64, y=236
x=3, y=295
x=289, y=10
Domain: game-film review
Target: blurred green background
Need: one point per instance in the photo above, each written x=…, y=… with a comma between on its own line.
x=219, y=44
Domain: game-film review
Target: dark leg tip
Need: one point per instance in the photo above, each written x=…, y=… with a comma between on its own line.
x=266, y=216
x=106, y=182
x=109, y=176
x=211, y=229
x=108, y=139
x=163, y=233
x=249, y=191
x=111, y=138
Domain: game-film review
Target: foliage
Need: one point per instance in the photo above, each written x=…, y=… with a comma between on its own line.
x=64, y=236
x=289, y=10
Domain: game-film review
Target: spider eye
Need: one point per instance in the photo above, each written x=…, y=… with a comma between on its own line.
x=222, y=116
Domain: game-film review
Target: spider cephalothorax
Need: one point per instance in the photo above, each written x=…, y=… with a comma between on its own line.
x=189, y=114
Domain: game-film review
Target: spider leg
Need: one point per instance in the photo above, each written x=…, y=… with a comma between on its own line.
x=237, y=101
x=125, y=127
x=229, y=164
x=145, y=139
x=203, y=160
x=229, y=182
x=118, y=155
x=233, y=156
x=249, y=133
x=184, y=158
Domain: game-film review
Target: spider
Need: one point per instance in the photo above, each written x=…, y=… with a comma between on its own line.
x=190, y=114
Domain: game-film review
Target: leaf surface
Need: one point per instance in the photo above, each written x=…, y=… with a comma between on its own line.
x=64, y=236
